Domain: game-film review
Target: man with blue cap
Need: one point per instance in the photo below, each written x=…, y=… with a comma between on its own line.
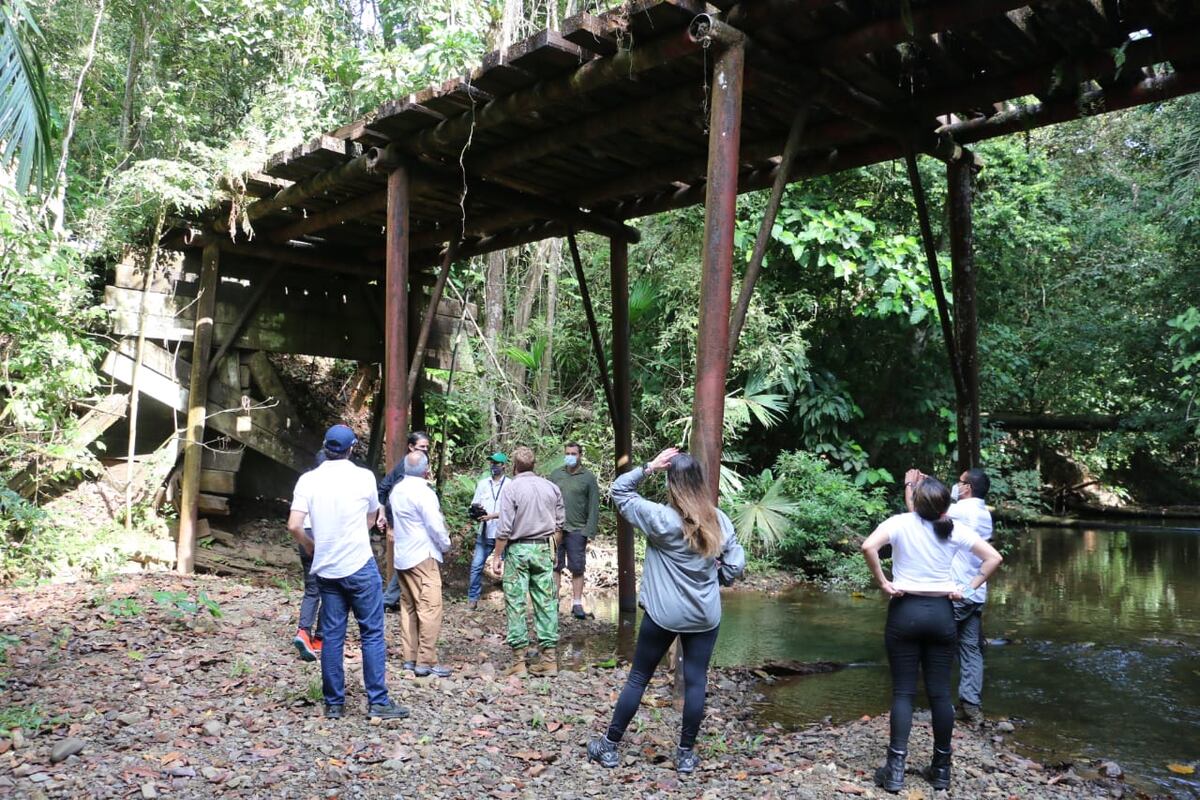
x=341, y=504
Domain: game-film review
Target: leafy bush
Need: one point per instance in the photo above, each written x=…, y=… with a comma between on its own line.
x=808, y=514
x=833, y=514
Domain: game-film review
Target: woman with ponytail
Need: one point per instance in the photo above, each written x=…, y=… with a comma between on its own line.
x=690, y=549
x=920, y=622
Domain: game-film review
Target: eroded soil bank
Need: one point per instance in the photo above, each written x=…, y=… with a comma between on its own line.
x=122, y=689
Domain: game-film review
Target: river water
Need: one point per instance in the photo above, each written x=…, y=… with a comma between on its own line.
x=1099, y=655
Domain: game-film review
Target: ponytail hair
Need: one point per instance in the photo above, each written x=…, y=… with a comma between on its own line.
x=931, y=500
x=687, y=491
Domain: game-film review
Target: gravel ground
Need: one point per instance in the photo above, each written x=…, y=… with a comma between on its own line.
x=121, y=689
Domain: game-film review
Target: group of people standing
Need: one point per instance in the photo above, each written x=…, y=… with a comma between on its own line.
x=530, y=529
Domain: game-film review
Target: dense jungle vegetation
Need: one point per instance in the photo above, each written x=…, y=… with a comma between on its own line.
x=118, y=114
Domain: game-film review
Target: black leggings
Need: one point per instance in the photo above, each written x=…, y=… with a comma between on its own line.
x=921, y=632
x=652, y=644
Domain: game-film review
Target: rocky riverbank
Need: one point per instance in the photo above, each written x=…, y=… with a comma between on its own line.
x=136, y=687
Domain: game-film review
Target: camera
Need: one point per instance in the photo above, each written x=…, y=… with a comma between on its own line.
x=476, y=511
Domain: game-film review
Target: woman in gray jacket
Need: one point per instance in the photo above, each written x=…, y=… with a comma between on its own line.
x=690, y=548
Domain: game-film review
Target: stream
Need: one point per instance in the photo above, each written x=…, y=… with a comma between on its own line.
x=1095, y=650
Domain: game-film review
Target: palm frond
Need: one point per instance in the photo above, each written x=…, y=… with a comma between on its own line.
x=24, y=107
x=763, y=522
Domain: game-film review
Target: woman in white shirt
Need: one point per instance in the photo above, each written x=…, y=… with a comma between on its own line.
x=921, y=631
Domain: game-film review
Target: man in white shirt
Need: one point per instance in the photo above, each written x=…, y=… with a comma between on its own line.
x=340, y=503
x=421, y=539
x=970, y=510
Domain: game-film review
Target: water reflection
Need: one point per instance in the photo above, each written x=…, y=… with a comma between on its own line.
x=1105, y=630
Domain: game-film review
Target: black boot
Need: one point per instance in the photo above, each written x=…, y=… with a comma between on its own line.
x=938, y=773
x=891, y=775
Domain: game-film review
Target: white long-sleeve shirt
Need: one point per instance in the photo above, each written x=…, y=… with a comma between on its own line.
x=418, y=525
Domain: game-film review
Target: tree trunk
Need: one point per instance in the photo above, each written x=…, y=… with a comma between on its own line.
x=57, y=200
x=139, y=45
x=554, y=253
x=530, y=290
x=493, y=322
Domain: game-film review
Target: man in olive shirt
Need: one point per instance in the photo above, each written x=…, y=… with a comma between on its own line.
x=531, y=516
x=581, y=497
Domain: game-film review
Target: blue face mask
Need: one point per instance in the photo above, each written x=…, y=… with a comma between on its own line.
x=497, y=469
x=571, y=461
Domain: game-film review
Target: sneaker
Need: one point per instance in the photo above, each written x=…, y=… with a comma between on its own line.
x=578, y=613
x=334, y=712
x=308, y=648
x=391, y=608
x=411, y=666
x=686, y=760
x=472, y=605
x=388, y=710
x=603, y=752
x=437, y=671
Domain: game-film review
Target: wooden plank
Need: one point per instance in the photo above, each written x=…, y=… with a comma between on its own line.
x=591, y=33
x=399, y=118
x=218, y=481
x=546, y=54
x=91, y=425
x=130, y=271
x=213, y=506
x=293, y=449
x=272, y=388
x=229, y=460
x=317, y=155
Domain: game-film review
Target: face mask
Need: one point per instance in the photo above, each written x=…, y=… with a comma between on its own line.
x=497, y=469
x=570, y=461
x=954, y=493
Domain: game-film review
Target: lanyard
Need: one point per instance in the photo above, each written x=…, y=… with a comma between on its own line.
x=496, y=489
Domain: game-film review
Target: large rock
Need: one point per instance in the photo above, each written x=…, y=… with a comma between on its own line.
x=65, y=749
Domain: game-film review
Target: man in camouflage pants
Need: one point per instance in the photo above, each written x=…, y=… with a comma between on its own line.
x=531, y=520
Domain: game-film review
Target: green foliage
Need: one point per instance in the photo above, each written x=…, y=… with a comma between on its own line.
x=125, y=607
x=1186, y=363
x=24, y=108
x=762, y=514
x=831, y=516
x=179, y=604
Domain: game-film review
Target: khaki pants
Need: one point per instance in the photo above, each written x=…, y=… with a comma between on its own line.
x=421, y=612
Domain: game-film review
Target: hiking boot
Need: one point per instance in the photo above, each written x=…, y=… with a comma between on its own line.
x=603, y=752
x=308, y=648
x=334, y=712
x=970, y=713
x=578, y=613
x=938, y=772
x=411, y=666
x=437, y=671
x=891, y=775
x=686, y=760
x=547, y=665
x=388, y=710
x=518, y=667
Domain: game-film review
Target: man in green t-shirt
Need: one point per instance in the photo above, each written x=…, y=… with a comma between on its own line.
x=581, y=496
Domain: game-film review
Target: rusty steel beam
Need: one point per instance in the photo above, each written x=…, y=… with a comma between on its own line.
x=1166, y=46
x=716, y=275
x=593, y=328
x=960, y=179
x=754, y=266
x=395, y=339
x=623, y=416
x=892, y=30
x=297, y=193
x=1151, y=90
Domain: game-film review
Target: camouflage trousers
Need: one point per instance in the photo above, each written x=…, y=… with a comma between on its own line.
x=529, y=569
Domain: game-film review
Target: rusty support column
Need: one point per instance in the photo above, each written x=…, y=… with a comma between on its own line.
x=593, y=328
x=622, y=414
x=716, y=277
x=395, y=318
x=202, y=336
x=960, y=177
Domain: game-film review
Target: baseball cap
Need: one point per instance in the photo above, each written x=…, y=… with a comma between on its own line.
x=339, y=439
x=499, y=458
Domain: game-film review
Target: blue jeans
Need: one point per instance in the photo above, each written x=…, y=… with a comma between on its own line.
x=969, y=618
x=361, y=592
x=391, y=595
x=483, y=549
